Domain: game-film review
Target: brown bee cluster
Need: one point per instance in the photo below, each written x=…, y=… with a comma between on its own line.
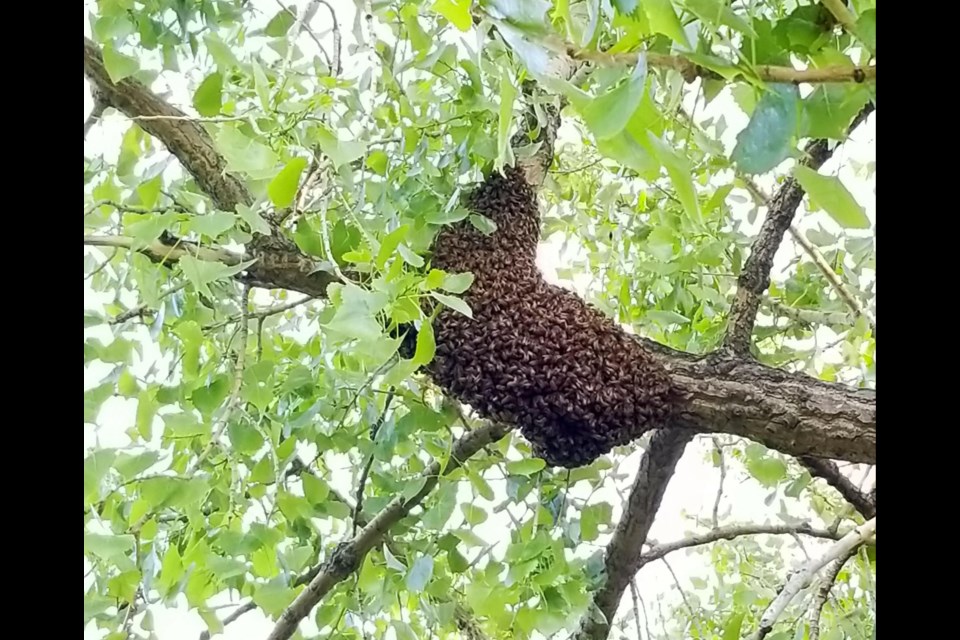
x=535, y=355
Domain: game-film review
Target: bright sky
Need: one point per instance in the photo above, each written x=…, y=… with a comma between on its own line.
x=691, y=492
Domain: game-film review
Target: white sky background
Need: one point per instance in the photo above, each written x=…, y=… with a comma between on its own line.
x=692, y=490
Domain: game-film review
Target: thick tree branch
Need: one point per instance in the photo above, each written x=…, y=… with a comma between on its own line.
x=865, y=504
x=755, y=277
x=348, y=556
x=790, y=412
x=623, y=553
x=185, y=139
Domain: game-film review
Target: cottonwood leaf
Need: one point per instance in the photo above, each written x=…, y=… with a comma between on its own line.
x=767, y=139
x=828, y=193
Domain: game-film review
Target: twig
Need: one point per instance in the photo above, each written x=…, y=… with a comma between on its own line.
x=233, y=617
x=802, y=577
x=99, y=106
x=683, y=596
x=823, y=592
x=849, y=22
x=730, y=532
x=723, y=475
x=234, y=396
x=831, y=275
x=347, y=557
x=100, y=267
x=767, y=73
x=361, y=485
x=141, y=309
x=829, y=471
x=636, y=607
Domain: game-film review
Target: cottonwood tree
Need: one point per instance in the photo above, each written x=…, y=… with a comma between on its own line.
x=264, y=221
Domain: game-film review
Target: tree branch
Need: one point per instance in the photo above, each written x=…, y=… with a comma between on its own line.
x=348, y=556
x=802, y=577
x=158, y=251
x=823, y=592
x=185, y=139
x=767, y=73
x=755, y=277
x=865, y=504
x=831, y=275
x=623, y=553
x=838, y=8
x=730, y=532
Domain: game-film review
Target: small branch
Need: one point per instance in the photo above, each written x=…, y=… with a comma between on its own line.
x=723, y=475
x=823, y=592
x=163, y=253
x=234, y=396
x=347, y=557
x=233, y=617
x=802, y=577
x=623, y=552
x=683, y=596
x=831, y=275
x=139, y=310
x=848, y=21
x=730, y=532
x=754, y=280
x=767, y=73
x=828, y=470
x=361, y=485
x=99, y=106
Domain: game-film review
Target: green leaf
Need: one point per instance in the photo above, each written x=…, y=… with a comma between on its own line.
x=93, y=399
x=202, y=272
x=457, y=282
x=377, y=162
x=208, y=98
x=207, y=399
x=315, y=489
x=608, y=115
x=731, y=630
x=426, y=345
x=147, y=406
x=456, y=304
x=456, y=11
x=403, y=630
x=591, y=517
x=483, y=224
x=389, y=244
x=279, y=24
x=107, y=546
x=768, y=138
x=244, y=154
x=716, y=13
x=356, y=314
x=828, y=193
x=507, y=95
x=213, y=224
x=128, y=466
x=419, y=574
x=95, y=468
x=184, y=425
x=473, y=514
x=118, y=65
x=339, y=151
x=766, y=469
x=257, y=386
x=525, y=467
x=262, y=472
x=274, y=597
x=283, y=188
x=446, y=216
x=679, y=171
x=663, y=19
x=253, y=219
x=831, y=108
